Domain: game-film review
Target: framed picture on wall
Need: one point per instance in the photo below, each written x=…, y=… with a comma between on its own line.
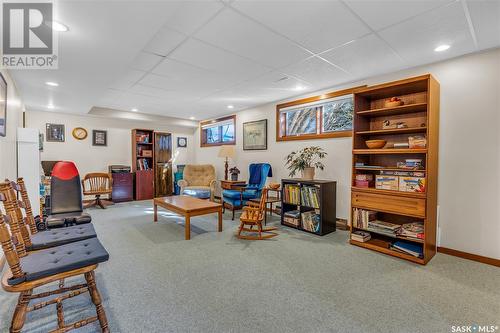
x=99, y=138
x=182, y=142
x=255, y=135
x=54, y=132
x=3, y=106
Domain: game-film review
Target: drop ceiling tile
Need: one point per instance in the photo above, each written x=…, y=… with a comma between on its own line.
x=202, y=55
x=381, y=14
x=317, y=25
x=240, y=35
x=191, y=15
x=485, y=16
x=146, y=61
x=128, y=79
x=164, y=41
x=202, y=86
x=318, y=73
x=365, y=57
x=416, y=38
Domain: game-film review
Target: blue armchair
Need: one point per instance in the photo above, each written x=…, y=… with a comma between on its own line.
x=237, y=198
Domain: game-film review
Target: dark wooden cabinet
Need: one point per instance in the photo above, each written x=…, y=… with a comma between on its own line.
x=123, y=187
x=144, y=184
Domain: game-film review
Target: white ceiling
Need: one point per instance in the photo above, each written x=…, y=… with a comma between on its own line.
x=193, y=58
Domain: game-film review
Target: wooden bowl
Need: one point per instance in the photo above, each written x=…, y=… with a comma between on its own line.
x=389, y=104
x=274, y=186
x=375, y=144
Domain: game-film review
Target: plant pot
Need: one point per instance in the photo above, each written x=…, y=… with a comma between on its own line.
x=234, y=176
x=308, y=173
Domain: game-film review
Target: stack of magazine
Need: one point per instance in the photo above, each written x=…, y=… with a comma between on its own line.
x=292, y=217
x=413, y=230
x=415, y=250
x=384, y=228
x=361, y=236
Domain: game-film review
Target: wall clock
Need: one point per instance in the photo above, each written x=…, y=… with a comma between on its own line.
x=181, y=142
x=79, y=133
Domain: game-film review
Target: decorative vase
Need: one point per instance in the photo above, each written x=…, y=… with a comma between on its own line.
x=308, y=173
x=234, y=176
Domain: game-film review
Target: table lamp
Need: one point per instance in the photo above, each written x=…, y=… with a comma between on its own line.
x=226, y=152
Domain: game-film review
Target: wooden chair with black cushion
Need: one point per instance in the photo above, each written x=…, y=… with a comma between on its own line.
x=97, y=184
x=43, y=267
x=254, y=216
x=32, y=238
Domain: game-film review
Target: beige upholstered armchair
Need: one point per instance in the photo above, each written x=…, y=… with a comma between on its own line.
x=198, y=181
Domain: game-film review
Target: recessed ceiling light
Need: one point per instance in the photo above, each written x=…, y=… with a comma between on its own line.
x=52, y=84
x=51, y=106
x=299, y=88
x=442, y=48
x=57, y=26
x=134, y=110
x=230, y=106
x=192, y=118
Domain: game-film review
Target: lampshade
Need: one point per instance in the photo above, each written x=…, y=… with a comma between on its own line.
x=226, y=151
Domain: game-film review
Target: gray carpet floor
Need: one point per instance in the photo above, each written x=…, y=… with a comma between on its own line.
x=155, y=281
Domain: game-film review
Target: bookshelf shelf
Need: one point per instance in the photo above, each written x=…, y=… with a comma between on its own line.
x=374, y=245
x=420, y=113
x=389, y=192
x=388, y=151
x=305, y=194
x=422, y=129
x=373, y=168
x=392, y=236
x=403, y=109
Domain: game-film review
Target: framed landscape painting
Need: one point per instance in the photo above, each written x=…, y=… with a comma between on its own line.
x=3, y=106
x=255, y=135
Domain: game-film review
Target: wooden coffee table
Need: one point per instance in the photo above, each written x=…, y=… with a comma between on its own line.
x=187, y=206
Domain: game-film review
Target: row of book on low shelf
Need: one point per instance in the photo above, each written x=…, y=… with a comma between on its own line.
x=291, y=194
x=310, y=196
x=367, y=221
x=309, y=220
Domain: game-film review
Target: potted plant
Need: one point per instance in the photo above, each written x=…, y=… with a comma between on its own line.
x=306, y=161
x=234, y=171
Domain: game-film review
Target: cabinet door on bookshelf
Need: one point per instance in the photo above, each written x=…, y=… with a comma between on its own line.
x=144, y=184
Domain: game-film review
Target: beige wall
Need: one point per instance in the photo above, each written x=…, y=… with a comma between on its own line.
x=8, y=158
x=469, y=160
x=90, y=158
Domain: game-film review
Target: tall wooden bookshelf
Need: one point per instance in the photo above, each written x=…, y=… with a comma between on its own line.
x=419, y=115
x=143, y=163
x=163, y=164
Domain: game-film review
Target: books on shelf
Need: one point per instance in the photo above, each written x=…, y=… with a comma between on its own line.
x=310, y=196
x=311, y=220
x=292, y=217
x=361, y=236
x=415, y=250
x=143, y=164
x=412, y=230
x=291, y=194
x=361, y=217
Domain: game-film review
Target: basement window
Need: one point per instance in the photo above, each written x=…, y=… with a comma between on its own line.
x=218, y=132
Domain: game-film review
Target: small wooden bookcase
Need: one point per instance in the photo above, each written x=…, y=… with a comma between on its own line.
x=324, y=205
x=418, y=116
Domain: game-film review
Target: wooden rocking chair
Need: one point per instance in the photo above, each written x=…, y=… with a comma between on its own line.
x=254, y=216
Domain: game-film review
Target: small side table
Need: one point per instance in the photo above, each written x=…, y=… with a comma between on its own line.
x=228, y=184
x=269, y=200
